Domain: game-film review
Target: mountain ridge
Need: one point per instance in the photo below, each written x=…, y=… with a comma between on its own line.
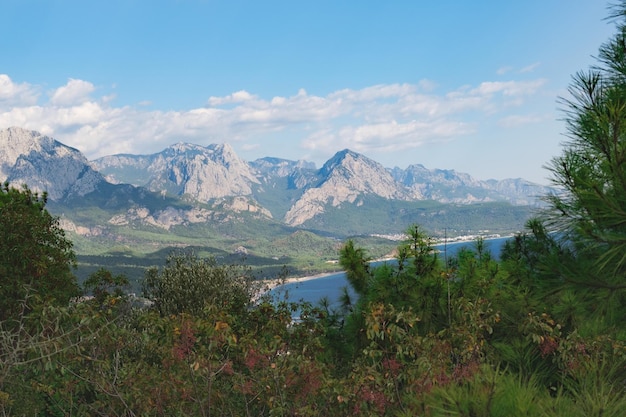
x=187, y=183
x=45, y=164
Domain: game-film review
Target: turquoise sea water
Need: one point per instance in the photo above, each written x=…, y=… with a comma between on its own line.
x=331, y=286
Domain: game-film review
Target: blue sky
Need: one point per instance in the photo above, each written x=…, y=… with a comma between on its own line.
x=465, y=85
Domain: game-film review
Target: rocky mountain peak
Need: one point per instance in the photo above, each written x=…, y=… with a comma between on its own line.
x=344, y=159
x=357, y=172
x=449, y=186
x=292, y=190
x=15, y=142
x=280, y=167
x=226, y=155
x=44, y=164
x=198, y=172
x=223, y=154
x=345, y=177
x=183, y=148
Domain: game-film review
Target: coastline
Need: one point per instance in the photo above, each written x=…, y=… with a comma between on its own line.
x=269, y=285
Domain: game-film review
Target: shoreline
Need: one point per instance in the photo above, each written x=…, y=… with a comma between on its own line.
x=269, y=285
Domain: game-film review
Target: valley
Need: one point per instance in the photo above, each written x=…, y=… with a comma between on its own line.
x=127, y=212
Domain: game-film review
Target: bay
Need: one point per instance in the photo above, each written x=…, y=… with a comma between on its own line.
x=331, y=286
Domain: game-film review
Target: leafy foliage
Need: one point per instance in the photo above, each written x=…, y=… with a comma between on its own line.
x=36, y=259
x=187, y=284
x=539, y=332
x=425, y=337
x=103, y=285
x=588, y=250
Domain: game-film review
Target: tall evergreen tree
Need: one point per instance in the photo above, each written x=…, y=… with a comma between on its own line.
x=356, y=264
x=590, y=212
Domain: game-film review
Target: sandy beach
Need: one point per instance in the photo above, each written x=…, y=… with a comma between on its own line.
x=271, y=284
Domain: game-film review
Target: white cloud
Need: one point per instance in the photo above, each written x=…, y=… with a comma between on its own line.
x=521, y=120
x=14, y=94
x=509, y=88
x=241, y=96
x=251, y=146
x=386, y=137
x=504, y=70
x=373, y=93
x=530, y=68
x=378, y=118
x=74, y=92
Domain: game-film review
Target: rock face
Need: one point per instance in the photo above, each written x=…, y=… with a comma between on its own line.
x=344, y=178
x=449, y=186
x=184, y=170
x=213, y=179
x=27, y=157
x=518, y=191
x=269, y=167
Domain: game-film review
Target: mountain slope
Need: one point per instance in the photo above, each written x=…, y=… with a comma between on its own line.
x=449, y=186
x=44, y=164
x=184, y=170
x=281, y=182
x=208, y=187
x=344, y=178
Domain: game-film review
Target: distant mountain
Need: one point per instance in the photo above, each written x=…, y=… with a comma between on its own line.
x=270, y=167
x=205, y=173
x=192, y=186
x=183, y=170
x=344, y=178
x=449, y=186
x=519, y=191
x=44, y=164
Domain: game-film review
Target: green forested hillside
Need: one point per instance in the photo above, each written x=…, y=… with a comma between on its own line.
x=375, y=214
x=269, y=244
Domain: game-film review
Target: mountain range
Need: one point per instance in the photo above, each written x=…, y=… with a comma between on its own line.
x=186, y=185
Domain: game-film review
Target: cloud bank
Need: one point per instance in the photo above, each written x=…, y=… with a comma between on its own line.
x=375, y=119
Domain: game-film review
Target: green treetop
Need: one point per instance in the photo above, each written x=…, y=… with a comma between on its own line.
x=36, y=259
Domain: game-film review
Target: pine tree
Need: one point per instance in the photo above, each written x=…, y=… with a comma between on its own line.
x=590, y=212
